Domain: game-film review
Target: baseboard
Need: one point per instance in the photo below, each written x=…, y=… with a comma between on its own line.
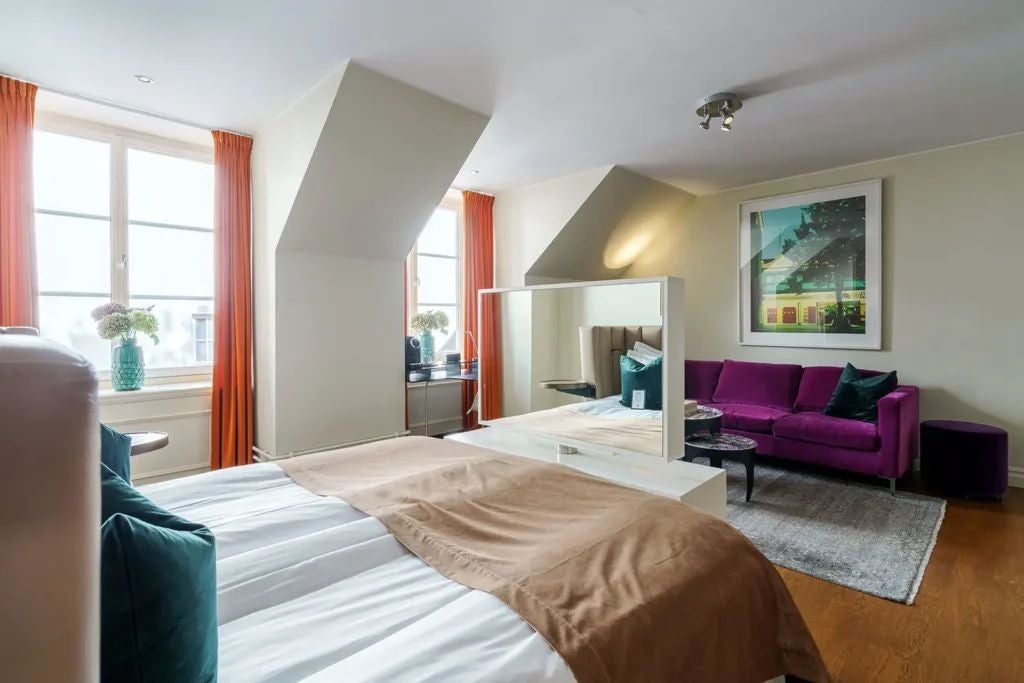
x=1017, y=477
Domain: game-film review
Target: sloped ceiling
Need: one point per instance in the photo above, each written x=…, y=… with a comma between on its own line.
x=383, y=161
x=626, y=214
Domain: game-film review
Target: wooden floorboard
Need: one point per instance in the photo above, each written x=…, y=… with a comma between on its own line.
x=967, y=623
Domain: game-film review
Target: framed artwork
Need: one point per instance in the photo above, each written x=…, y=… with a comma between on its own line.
x=811, y=268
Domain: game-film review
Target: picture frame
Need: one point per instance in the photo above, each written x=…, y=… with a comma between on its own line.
x=810, y=267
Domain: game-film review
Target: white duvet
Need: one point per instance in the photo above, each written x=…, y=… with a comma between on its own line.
x=311, y=589
x=610, y=406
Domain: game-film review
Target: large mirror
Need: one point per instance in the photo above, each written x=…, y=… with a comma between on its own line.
x=586, y=365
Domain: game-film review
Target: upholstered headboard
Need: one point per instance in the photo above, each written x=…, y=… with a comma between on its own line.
x=601, y=347
x=49, y=511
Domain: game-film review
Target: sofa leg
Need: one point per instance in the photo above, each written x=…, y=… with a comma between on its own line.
x=892, y=486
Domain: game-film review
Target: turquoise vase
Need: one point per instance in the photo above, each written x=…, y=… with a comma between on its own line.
x=127, y=368
x=426, y=347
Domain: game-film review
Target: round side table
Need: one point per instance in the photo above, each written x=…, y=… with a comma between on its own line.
x=965, y=458
x=144, y=442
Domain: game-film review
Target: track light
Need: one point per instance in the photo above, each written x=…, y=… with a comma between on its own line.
x=723, y=104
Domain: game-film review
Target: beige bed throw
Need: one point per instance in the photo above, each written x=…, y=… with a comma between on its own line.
x=624, y=585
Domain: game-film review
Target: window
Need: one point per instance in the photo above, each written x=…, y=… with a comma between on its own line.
x=204, y=336
x=126, y=219
x=434, y=273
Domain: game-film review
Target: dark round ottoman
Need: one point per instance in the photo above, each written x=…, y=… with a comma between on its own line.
x=965, y=458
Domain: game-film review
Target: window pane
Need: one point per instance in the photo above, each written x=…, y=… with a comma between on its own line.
x=445, y=342
x=73, y=254
x=66, y=320
x=438, y=280
x=169, y=262
x=441, y=236
x=71, y=174
x=177, y=347
x=165, y=189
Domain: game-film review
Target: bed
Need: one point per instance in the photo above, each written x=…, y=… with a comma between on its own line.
x=409, y=559
x=311, y=589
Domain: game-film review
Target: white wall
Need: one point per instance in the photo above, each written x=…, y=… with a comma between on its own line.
x=953, y=236
x=340, y=361
x=280, y=157
x=329, y=252
x=182, y=411
x=528, y=219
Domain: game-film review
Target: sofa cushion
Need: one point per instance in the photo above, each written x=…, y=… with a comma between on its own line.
x=702, y=378
x=772, y=385
x=828, y=431
x=749, y=418
x=817, y=385
x=856, y=397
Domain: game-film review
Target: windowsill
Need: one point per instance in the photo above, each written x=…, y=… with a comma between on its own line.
x=156, y=392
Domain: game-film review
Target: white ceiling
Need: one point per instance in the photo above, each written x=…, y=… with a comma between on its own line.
x=570, y=84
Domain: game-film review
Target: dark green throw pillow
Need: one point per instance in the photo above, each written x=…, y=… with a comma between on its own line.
x=158, y=592
x=116, y=452
x=857, y=397
x=639, y=377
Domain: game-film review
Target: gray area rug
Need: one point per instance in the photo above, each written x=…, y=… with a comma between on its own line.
x=849, y=533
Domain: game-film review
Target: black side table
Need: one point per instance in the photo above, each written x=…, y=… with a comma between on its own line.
x=715, y=447
x=706, y=419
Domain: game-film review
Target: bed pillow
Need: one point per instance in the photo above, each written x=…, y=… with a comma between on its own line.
x=158, y=591
x=856, y=397
x=116, y=452
x=639, y=377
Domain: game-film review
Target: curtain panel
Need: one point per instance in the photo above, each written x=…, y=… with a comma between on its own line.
x=231, y=429
x=478, y=273
x=18, y=304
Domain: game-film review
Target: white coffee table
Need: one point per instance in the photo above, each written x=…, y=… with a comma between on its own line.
x=697, y=485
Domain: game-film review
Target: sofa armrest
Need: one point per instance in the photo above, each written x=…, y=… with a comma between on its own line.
x=898, y=420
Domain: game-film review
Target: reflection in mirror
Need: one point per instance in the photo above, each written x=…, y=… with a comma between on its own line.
x=580, y=364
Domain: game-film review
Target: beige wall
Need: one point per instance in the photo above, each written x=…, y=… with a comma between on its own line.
x=953, y=242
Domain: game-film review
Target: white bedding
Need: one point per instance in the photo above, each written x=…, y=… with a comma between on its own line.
x=311, y=589
x=610, y=406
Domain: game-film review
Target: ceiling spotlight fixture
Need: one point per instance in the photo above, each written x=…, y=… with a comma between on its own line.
x=474, y=171
x=722, y=104
x=142, y=78
x=706, y=122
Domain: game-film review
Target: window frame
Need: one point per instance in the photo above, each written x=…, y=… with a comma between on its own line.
x=120, y=141
x=453, y=202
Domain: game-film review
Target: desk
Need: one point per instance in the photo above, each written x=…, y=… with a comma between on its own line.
x=439, y=376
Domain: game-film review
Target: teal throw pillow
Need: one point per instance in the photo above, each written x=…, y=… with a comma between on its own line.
x=857, y=397
x=116, y=452
x=158, y=592
x=639, y=377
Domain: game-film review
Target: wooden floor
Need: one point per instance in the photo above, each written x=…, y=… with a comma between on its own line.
x=967, y=623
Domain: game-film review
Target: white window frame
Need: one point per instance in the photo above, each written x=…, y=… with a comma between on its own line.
x=120, y=140
x=453, y=202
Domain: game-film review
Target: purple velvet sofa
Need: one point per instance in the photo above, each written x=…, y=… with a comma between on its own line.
x=779, y=406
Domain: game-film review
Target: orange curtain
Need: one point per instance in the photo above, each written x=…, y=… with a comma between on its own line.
x=232, y=425
x=478, y=273
x=490, y=354
x=17, y=231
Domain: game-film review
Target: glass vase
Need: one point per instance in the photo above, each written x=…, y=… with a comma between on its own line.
x=427, y=347
x=127, y=366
